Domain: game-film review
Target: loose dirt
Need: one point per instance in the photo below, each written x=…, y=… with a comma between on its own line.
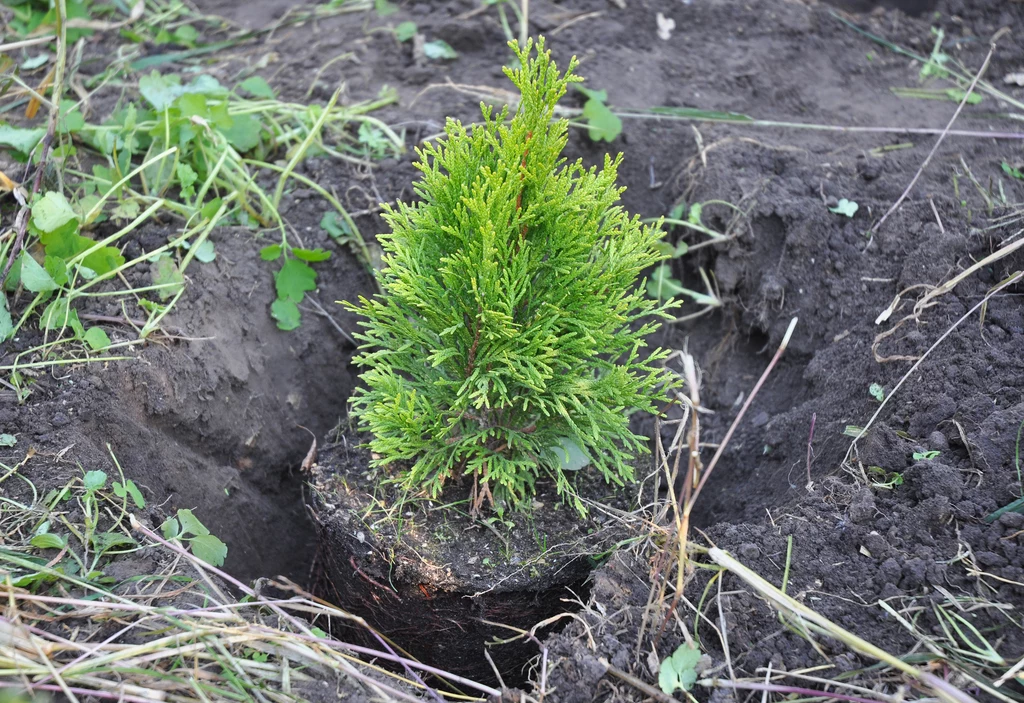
x=214, y=420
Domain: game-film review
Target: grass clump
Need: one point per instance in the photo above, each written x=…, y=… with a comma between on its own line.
x=508, y=341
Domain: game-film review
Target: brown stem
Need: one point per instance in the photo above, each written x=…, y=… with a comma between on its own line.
x=472, y=350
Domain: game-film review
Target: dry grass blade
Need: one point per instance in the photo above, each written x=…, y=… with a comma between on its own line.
x=178, y=636
x=812, y=620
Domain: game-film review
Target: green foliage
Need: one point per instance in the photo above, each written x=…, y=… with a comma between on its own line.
x=439, y=49
x=292, y=282
x=38, y=16
x=603, y=123
x=405, y=31
x=510, y=322
x=877, y=392
x=1012, y=171
x=880, y=478
x=679, y=671
x=187, y=527
x=934, y=67
x=845, y=207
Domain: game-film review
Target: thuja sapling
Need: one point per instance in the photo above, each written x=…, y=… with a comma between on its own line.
x=510, y=325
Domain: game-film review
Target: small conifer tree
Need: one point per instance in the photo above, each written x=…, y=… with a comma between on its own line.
x=510, y=324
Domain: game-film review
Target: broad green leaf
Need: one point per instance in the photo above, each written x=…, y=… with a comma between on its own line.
x=602, y=123
x=286, y=313
x=103, y=260
x=8, y=440
x=128, y=488
x=205, y=251
x=405, y=31
x=312, y=255
x=57, y=269
x=52, y=212
x=170, y=528
x=696, y=211
x=94, y=480
x=244, y=133
x=96, y=338
x=211, y=208
x=126, y=210
x=48, y=541
x=271, y=253
x=164, y=271
x=190, y=524
x=294, y=279
x=63, y=242
x=439, y=49
x=210, y=549
x=193, y=105
x=159, y=91
x=258, y=87
x=186, y=34
x=205, y=84
x=335, y=225
x=679, y=671
x=20, y=139
x=34, y=277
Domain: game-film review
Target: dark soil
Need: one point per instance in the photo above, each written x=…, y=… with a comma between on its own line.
x=216, y=423
x=436, y=580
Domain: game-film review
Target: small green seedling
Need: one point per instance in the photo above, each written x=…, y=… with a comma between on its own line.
x=926, y=456
x=128, y=488
x=1012, y=171
x=880, y=478
x=8, y=440
x=384, y=8
x=602, y=123
x=938, y=58
x=877, y=392
x=295, y=278
x=187, y=527
x=679, y=671
x=439, y=49
x=404, y=31
x=845, y=207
